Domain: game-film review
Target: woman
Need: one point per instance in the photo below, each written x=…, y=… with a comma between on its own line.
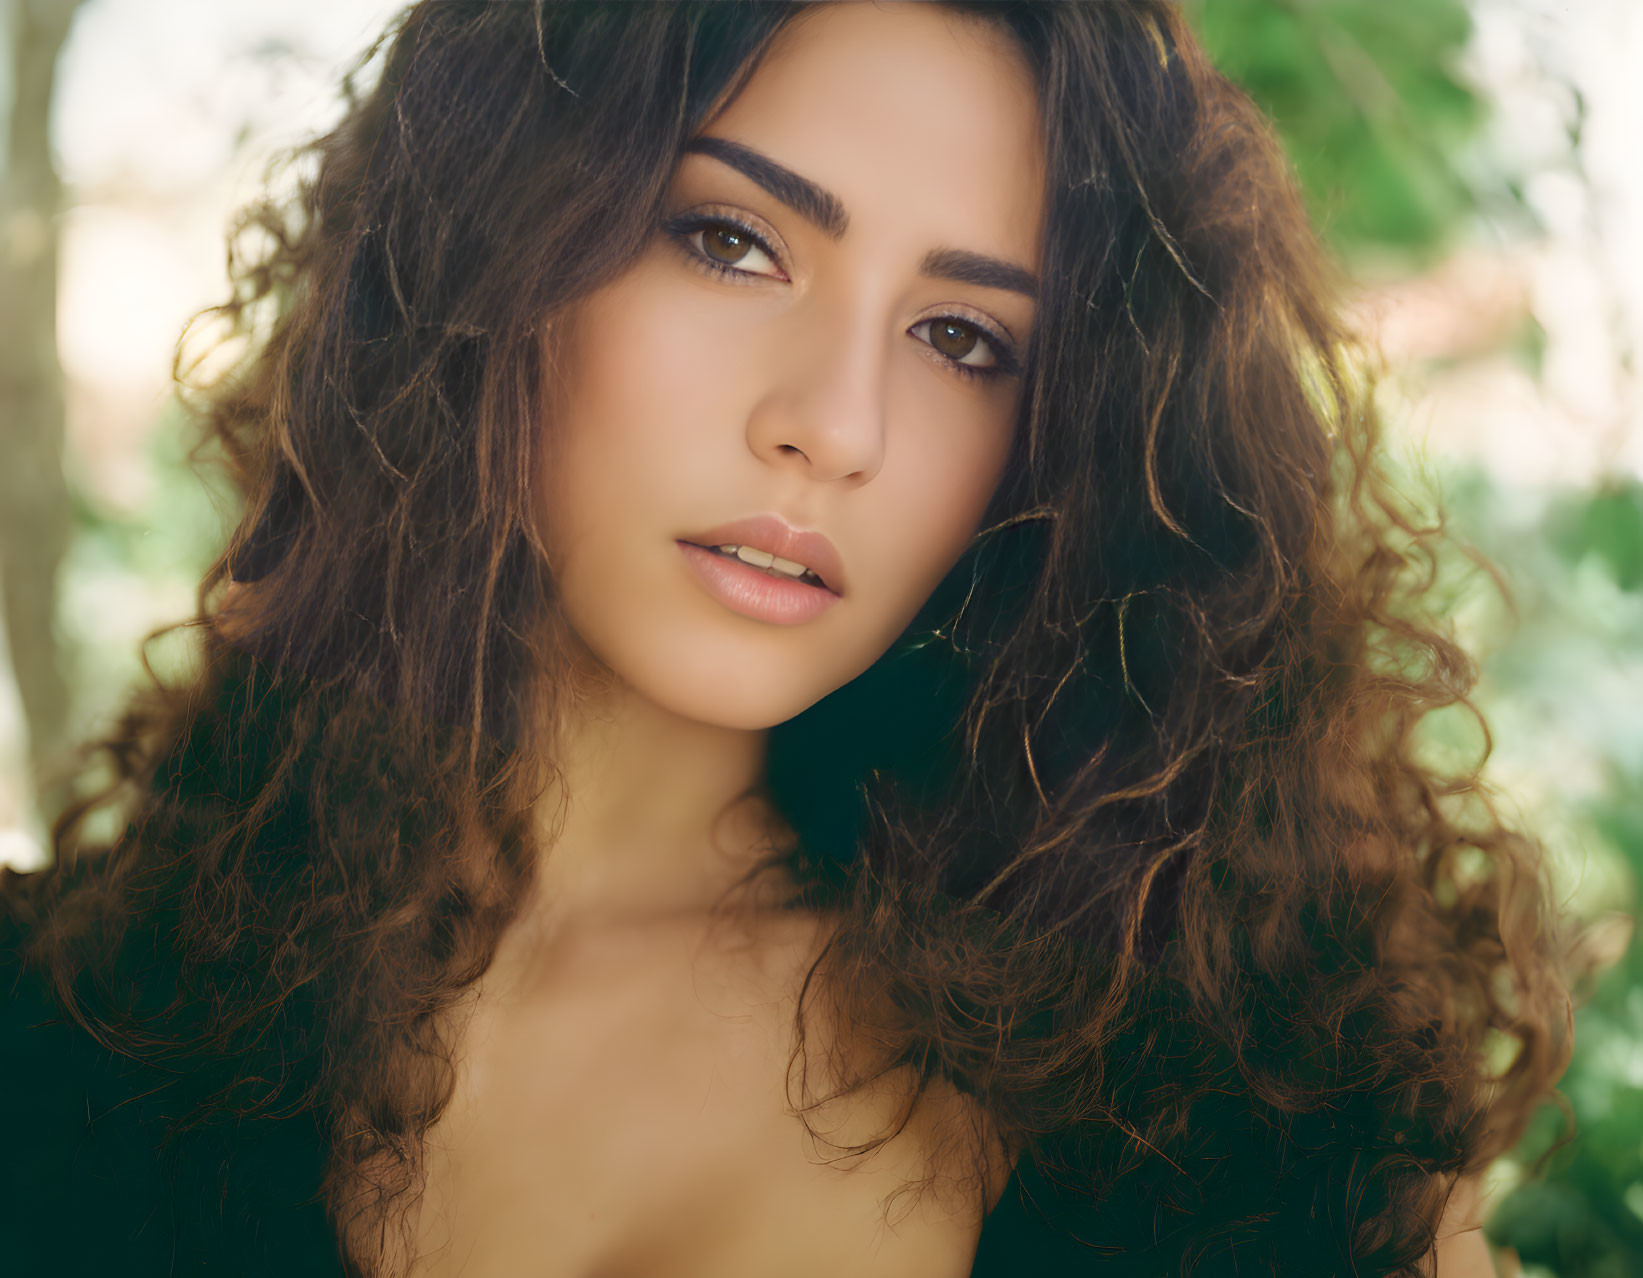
x=534, y=877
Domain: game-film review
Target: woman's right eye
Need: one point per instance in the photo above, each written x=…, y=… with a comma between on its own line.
x=720, y=245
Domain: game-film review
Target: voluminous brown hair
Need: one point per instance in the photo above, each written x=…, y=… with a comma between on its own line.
x=1128, y=837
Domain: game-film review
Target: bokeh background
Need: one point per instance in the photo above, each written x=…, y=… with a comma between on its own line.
x=1477, y=166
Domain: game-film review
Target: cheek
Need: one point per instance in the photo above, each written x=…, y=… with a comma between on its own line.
x=944, y=494
x=647, y=422
x=634, y=372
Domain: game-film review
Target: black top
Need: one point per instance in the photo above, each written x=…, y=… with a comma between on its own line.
x=87, y=1188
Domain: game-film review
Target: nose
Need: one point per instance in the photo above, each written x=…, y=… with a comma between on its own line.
x=824, y=407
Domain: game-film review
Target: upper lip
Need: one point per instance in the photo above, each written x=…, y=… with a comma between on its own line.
x=774, y=535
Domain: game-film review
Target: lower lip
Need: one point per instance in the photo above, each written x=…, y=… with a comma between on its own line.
x=745, y=589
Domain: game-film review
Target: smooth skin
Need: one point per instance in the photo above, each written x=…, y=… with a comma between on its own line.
x=619, y=1106
x=807, y=386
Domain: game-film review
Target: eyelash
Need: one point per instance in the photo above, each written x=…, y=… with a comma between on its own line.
x=684, y=227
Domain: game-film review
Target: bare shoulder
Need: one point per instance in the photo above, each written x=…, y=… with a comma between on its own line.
x=1462, y=1251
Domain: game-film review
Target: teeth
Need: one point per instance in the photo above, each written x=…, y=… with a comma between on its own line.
x=769, y=562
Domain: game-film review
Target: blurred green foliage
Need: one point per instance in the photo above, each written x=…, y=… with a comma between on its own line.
x=1370, y=109
x=1388, y=143
x=128, y=571
x=1566, y=678
x=1607, y=525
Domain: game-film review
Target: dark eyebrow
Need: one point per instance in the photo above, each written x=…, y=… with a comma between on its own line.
x=818, y=205
x=814, y=203
x=965, y=267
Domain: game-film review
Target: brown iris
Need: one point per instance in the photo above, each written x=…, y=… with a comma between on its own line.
x=735, y=243
x=952, y=339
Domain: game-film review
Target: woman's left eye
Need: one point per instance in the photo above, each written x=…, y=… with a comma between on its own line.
x=957, y=339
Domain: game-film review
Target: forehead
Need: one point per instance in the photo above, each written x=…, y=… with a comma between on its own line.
x=915, y=116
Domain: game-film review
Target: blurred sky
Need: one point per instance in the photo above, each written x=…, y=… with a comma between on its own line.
x=165, y=116
x=167, y=112
x=1546, y=68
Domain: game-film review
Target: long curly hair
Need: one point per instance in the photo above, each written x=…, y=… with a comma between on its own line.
x=1129, y=837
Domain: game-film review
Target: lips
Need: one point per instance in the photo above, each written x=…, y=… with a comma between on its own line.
x=774, y=535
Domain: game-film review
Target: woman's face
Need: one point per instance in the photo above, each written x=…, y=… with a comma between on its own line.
x=846, y=364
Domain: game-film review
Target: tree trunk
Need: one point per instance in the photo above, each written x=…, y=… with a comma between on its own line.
x=35, y=520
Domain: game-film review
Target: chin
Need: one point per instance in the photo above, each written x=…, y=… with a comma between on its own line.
x=728, y=690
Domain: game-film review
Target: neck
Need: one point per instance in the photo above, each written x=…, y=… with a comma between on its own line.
x=652, y=814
